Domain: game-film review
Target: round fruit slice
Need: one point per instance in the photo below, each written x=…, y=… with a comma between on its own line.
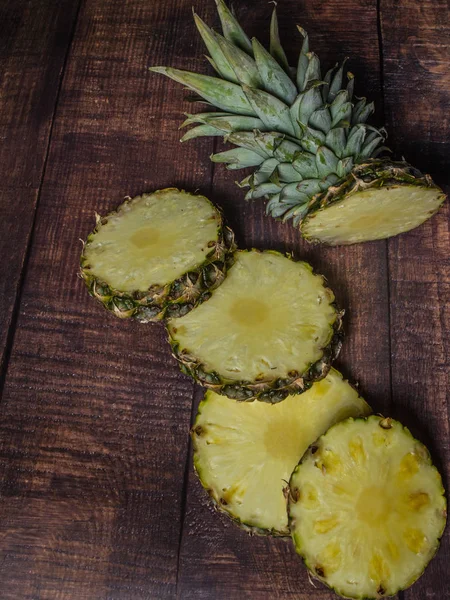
x=158, y=255
x=270, y=330
x=367, y=508
x=244, y=452
x=379, y=199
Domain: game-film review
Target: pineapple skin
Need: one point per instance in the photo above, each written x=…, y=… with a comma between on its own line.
x=292, y=495
x=373, y=173
x=173, y=299
x=272, y=391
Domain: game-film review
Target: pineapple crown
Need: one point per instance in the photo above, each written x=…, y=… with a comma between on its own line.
x=302, y=132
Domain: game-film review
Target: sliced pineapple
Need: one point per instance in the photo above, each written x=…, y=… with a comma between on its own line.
x=378, y=200
x=244, y=452
x=269, y=330
x=380, y=508
x=158, y=254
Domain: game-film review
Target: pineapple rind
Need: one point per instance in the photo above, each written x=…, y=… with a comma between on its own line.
x=382, y=174
x=420, y=468
x=223, y=428
x=269, y=389
x=175, y=298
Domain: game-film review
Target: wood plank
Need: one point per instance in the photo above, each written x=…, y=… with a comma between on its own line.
x=416, y=42
x=95, y=414
x=218, y=561
x=34, y=38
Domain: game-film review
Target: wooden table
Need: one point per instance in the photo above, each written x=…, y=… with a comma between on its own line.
x=97, y=495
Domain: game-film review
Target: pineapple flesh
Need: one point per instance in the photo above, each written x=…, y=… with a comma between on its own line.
x=269, y=330
x=367, y=508
x=355, y=211
x=159, y=254
x=245, y=452
x=304, y=135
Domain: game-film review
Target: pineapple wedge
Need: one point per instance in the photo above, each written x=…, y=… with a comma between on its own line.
x=367, y=508
x=270, y=330
x=158, y=255
x=244, y=452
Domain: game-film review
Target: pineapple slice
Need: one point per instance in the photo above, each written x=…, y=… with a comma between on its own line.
x=378, y=200
x=158, y=254
x=244, y=452
x=378, y=517
x=269, y=330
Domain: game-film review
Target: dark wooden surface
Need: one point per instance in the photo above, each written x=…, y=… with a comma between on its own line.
x=97, y=495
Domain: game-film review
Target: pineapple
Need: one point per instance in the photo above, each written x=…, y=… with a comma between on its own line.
x=306, y=137
x=379, y=512
x=158, y=255
x=245, y=452
x=270, y=330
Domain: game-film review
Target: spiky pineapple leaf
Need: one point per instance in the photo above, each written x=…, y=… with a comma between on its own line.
x=336, y=83
x=274, y=78
x=287, y=173
x=201, y=131
x=344, y=167
x=291, y=193
x=276, y=49
x=303, y=60
x=238, y=158
x=222, y=94
x=326, y=161
x=336, y=139
x=231, y=123
x=287, y=150
x=201, y=118
x=312, y=139
x=321, y=119
x=264, y=189
x=274, y=113
x=246, y=139
x=264, y=173
x=243, y=65
x=305, y=164
x=231, y=28
x=220, y=61
x=313, y=69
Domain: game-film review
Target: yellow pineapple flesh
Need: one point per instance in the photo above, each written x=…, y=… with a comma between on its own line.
x=379, y=512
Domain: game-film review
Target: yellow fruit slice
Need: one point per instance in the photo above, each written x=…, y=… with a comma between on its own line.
x=377, y=517
x=244, y=452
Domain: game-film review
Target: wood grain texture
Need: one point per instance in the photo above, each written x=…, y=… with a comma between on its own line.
x=95, y=413
x=98, y=499
x=416, y=43
x=34, y=39
x=217, y=560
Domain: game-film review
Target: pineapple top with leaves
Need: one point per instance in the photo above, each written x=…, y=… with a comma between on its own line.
x=305, y=135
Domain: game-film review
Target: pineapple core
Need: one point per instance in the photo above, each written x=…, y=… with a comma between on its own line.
x=372, y=505
x=249, y=311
